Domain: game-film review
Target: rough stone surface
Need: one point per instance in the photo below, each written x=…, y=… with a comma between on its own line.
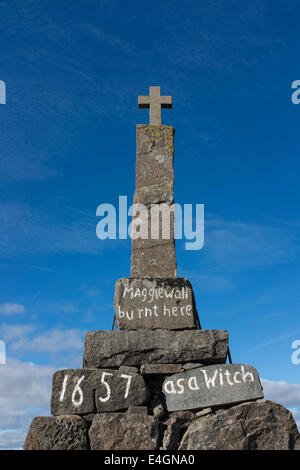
x=160, y=369
x=117, y=431
x=155, y=303
x=212, y=386
x=154, y=155
x=171, y=437
x=139, y=410
x=130, y=347
x=191, y=365
x=156, y=261
x=93, y=390
x=154, y=256
x=129, y=370
x=59, y=433
x=261, y=425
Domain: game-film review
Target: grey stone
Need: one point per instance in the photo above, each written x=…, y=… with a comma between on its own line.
x=129, y=347
x=159, y=411
x=155, y=102
x=191, y=365
x=258, y=425
x=59, y=433
x=153, y=225
x=155, y=194
x=154, y=256
x=118, y=431
x=129, y=369
x=212, y=386
x=185, y=416
x=84, y=391
x=171, y=437
x=160, y=369
x=155, y=261
x=140, y=410
x=154, y=156
x=203, y=412
x=155, y=303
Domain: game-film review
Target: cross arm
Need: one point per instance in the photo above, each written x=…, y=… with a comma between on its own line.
x=143, y=102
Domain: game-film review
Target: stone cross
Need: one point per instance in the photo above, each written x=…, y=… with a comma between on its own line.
x=155, y=102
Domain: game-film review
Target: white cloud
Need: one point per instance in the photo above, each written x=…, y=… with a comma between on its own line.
x=9, y=308
x=282, y=392
x=25, y=391
x=51, y=341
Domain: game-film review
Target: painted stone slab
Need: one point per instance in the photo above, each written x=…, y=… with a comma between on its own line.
x=133, y=348
x=83, y=391
x=211, y=386
x=155, y=303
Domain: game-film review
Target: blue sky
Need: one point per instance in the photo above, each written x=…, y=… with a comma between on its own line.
x=73, y=71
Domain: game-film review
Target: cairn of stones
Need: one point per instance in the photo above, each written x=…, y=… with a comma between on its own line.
x=159, y=381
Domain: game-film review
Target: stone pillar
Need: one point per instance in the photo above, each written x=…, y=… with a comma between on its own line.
x=155, y=257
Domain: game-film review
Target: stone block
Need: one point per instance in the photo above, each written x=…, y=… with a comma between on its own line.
x=84, y=391
x=118, y=431
x=106, y=349
x=258, y=425
x=160, y=369
x=156, y=261
x=155, y=303
x=214, y=385
x=59, y=433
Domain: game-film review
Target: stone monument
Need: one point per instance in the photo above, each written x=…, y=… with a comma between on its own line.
x=159, y=381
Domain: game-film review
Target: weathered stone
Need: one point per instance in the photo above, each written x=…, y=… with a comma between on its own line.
x=154, y=155
x=160, y=369
x=117, y=431
x=191, y=365
x=129, y=347
x=155, y=303
x=185, y=416
x=139, y=410
x=259, y=425
x=203, y=412
x=171, y=437
x=212, y=386
x=152, y=226
x=84, y=391
x=155, y=261
x=153, y=255
x=129, y=370
x=155, y=194
x=155, y=102
x=59, y=433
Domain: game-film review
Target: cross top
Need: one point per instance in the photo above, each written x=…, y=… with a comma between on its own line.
x=155, y=102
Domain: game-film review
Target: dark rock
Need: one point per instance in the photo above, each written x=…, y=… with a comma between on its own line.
x=84, y=391
x=59, y=433
x=260, y=425
x=171, y=437
x=117, y=431
x=184, y=416
x=160, y=369
x=191, y=365
x=139, y=410
x=212, y=386
x=155, y=303
x=128, y=370
x=129, y=347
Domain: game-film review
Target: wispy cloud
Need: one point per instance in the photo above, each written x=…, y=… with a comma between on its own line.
x=238, y=245
x=9, y=308
x=27, y=231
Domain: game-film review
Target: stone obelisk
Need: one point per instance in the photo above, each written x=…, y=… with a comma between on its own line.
x=153, y=255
